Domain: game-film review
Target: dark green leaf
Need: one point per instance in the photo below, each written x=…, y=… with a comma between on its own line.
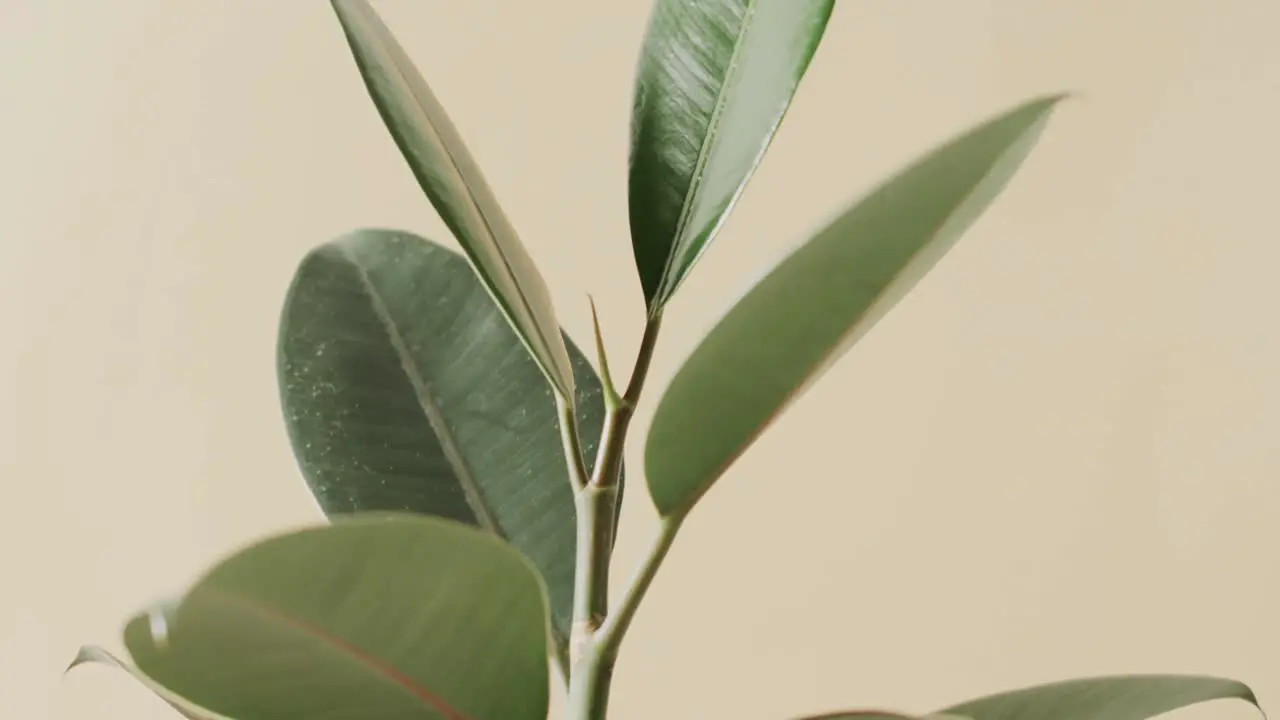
x=714, y=82
x=405, y=390
x=396, y=618
x=1132, y=697
x=453, y=182
x=821, y=299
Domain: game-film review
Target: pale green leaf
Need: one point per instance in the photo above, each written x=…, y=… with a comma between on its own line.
x=453, y=182
x=394, y=617
x=788, y=329
x=864, y=715
x=1121, y=697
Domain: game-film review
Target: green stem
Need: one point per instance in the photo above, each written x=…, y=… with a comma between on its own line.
x=592, y=672
x=596, y=511
x=576, y=465
x=573, y=454
x=589, y=689
x=618, y=414
x=591, y=653
x=615, y=627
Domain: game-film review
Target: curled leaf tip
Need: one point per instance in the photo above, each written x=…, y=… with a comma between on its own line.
x=86, y=654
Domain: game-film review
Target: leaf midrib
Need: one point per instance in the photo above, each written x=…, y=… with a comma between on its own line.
x=462, y=470
x=471, y=200
x=342, y=648
x=692, y=195
x=826, y=357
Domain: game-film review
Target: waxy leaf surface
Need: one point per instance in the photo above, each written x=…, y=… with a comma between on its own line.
x=393, y=617
x=780, y=337
x=714, y=81
x=404, y=389
x=453, y=182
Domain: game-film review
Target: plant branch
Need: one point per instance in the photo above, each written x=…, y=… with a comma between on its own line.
x=591, y=662
x=573, y=453
x=615, y=627
x=618, y=414
x=648, y=342
x=596, y=655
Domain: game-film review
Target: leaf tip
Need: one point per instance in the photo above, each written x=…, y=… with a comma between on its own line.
x=91, y=654
x=83, y=656
x=1049, y=102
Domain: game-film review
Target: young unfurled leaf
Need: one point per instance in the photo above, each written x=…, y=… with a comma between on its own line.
x=781, y=336
x=714, y=82
x=388, y=617
x=404, y=389
x=453, y=182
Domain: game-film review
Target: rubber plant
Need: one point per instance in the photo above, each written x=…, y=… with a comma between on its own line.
x=469, y=456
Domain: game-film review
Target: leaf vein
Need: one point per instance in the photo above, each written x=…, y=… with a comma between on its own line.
x=471, y=489
x=708, y=143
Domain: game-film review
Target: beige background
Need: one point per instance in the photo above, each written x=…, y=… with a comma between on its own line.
x=1057, y=458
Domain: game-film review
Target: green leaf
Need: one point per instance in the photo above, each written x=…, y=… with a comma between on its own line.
x=453, y=182
x=1123, y=697
x=714, y=81
x=1131, y=697
x=863, y=715
x=788, y=329
x=191, y=711
x=405, y=390
x=397, y=617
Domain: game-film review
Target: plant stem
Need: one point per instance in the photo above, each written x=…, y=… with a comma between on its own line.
x=589, y=688
x=592, y=672
x=596, y=511
x=573, y=454
x=609, y=638
x=618, y=414
x=591, y=662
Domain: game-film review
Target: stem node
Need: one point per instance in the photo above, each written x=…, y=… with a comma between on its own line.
x=593, y=645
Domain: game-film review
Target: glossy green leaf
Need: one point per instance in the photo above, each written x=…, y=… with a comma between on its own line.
x=714, y=81
x=191, y=711
x=1131, y=697
x=453, y=182
x=405, y=390
x=393, y=617
x=821, y=299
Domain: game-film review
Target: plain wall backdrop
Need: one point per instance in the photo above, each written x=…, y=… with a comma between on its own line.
x=1057, y=457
